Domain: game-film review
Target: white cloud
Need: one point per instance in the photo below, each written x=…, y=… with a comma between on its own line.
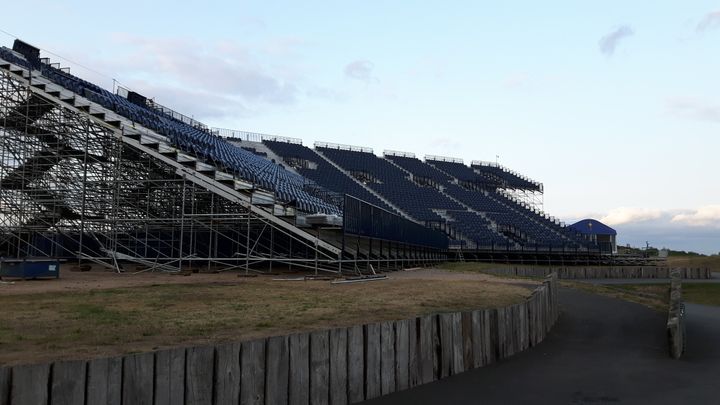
x=708, y=215
x=218, y=79
x=693, y=108
x=360, y=70
x=680, y=229
x=609, y=42
x=624, y=215
x=710, y=21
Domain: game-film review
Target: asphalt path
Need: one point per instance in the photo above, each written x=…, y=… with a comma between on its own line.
x=601, y=351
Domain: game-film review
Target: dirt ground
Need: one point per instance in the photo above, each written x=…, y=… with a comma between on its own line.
x=101, y=313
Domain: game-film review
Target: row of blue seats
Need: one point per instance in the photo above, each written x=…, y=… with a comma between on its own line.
x=508, y=179
x=519, y=223
x=311, y=165
x=207, y=146
x=475, y=227
x=420, y=169
x=393, y=184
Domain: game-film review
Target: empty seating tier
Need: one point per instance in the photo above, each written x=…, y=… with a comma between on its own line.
x=199, y=142
x=392, y=183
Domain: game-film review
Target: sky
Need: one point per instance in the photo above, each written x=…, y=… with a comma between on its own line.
x=612, y=105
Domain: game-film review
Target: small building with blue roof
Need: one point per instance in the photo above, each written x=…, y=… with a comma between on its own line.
x=595, y=231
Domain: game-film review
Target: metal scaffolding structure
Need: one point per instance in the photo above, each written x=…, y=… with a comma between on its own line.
x=76, y=185
x=79, y=182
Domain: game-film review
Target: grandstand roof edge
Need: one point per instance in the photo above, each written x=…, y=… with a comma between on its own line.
x=444, y=159
x=352, y=148
x=388, y=152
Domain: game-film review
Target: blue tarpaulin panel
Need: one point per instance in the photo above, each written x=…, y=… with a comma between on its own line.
x=30, y=268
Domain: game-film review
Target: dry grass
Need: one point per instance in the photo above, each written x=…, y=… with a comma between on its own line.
x=654, y=296
x=478, y=267
x=697, y=293
x=710, y=262
x=99, y=322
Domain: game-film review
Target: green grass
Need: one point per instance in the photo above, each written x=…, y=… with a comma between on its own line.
x=706, y=294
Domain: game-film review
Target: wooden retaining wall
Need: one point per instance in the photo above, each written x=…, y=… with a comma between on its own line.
x=602, y=272
x=338, y=366
x=676, y=318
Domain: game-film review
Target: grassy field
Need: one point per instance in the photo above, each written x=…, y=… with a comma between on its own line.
x=99, y=322
x=654, y=296
x=698, y=293
x=472, y=267
x=711, y=262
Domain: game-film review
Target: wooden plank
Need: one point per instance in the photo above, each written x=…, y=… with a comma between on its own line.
x=477, y=339
x=277, y=371
x=446, y=345
x=490, y=333
x=299, y=384
x=5, y=376
x=532, y=319
x=372, y=361
x=252, y=372
x=30, y=384
x=227, y=374
x=468, y=360
x=426, y=349
x=458, y=351
x=170, y=377
x=402, y=355
x=104, y=381
x=319, y=367
x=510, y=330
x=524, y=326
x=339, y=366
x=501, y=333
x=199, y=368
x=387, y=358
x=356, y=364
x=514, y=328
x=413, y=353
x=138, y=375
x=68, y=382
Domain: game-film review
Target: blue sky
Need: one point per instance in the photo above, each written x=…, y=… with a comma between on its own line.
x=612, y=105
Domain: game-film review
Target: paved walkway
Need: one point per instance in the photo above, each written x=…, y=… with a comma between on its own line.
x=602, y=351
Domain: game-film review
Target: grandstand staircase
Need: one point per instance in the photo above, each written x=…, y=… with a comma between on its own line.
x=370, y=190
x=190, y=168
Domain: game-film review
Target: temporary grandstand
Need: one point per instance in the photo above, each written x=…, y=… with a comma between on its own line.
x=112, y=177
